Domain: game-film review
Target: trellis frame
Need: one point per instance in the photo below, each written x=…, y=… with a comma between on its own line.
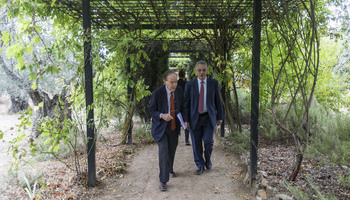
x=134, y=15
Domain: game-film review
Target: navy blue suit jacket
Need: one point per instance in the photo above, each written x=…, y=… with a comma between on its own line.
x=159, y=104
x=214, y=104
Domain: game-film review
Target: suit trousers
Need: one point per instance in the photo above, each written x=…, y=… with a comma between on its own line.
x=166, y=153
x=187, y=135
x=203, y=133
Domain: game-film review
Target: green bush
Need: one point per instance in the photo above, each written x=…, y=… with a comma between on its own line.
x=238, y=142
x=268, y=127
x=142, y=133
x=33, y=189
x=330, y=138
x=344, y=180
x=299, y=195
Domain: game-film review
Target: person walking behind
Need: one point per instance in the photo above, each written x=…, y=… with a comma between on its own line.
x=182, y=82
x=166, y=102
x=203, y=111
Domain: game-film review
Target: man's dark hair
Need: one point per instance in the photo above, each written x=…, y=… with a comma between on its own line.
x=182, y=73
x=167, y=73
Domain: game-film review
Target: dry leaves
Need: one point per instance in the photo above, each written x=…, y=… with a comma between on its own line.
x=277, y=160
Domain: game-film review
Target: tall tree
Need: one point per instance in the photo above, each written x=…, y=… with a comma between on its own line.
x=291, y=61
x=30, y=62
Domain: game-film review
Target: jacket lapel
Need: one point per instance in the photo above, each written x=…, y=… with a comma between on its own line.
x=196, y=91
x=164, y=100
x=176, y=99
x=209, y=92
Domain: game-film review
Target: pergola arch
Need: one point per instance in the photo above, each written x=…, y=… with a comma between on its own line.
x=215, y=16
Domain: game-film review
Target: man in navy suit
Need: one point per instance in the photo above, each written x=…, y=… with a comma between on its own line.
x=166, y=102
x=203, y=111
x=182, y=83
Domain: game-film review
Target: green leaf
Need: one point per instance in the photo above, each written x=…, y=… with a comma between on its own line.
x=1, y=134
x=48, y=140
x=34, y=86
x=32, y=76
x=53, y=3
x=20, y=65
x=57, y=147
x=15, y=50
x=36, y=40
x=5, y=37
x=41, y=104
x=29, y=49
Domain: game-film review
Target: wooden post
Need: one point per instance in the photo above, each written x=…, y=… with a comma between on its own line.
x=89, y=94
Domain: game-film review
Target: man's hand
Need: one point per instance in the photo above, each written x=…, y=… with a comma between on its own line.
x=166, y=117
x=218, y=122
x=187, y=125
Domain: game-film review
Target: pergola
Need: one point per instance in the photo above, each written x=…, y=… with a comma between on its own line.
x=133, y=15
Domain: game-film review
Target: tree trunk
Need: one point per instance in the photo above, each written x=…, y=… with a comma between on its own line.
x=128, y=123
x=18, y=105
x=51, y=108
x=239, y=122
x=37, y=96
x=299, y=159
x=232, y=115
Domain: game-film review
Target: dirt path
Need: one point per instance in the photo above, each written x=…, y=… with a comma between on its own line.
x=8, y=126
x=223, y=181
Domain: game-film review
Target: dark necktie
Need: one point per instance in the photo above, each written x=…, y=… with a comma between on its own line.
x=172, y=111
x=201, y=98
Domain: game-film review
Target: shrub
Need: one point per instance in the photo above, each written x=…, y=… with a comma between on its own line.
x=330, y=139
x=142, y=133
x=238, y=142
x=344, y=180
x=299, y=195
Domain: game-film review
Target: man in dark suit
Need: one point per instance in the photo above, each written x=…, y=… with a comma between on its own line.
x=166, y=102
x=203, y=111
x=182, y=83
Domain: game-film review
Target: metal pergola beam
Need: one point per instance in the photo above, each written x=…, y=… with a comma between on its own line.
x=172, y=26
x=90, y=125
x=88, y=19
x=160, y=14
x=255, y=91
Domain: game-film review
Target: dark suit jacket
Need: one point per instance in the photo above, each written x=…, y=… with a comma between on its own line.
x=182, y=83
x=214, y=104
x=159, y=104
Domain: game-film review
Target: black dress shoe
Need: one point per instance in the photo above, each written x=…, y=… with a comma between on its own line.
x=200, y=170
x=187, y=143
x=172, y=175
x=162, y=187
x=208, y=165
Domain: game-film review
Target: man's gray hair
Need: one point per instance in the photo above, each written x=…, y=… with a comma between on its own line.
x=202, y=62
x=167, y=73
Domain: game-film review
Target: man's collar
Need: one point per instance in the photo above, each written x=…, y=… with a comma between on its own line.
x=167, y=89
x=199, y=80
